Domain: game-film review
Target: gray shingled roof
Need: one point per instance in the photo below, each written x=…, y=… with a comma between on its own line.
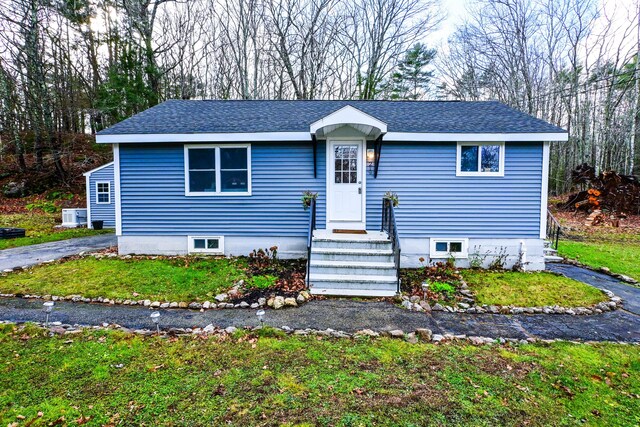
x=208, y=116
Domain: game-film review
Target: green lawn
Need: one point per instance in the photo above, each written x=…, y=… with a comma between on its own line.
x=530, y=289
x=39, y=228
x=108, y=378
x=170, y=279
x=621, y=257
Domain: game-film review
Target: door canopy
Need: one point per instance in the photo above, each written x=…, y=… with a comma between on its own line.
x=370, y=127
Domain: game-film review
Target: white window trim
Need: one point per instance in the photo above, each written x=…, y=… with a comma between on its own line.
x=98, y=202
x=479, y=172
x=217, y=171
x=441, y=255
x=193, y=250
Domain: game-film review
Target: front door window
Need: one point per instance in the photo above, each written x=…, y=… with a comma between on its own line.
x=346, y=164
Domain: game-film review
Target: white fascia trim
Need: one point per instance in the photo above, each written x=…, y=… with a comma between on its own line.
x=203, y=137
x=474, y=137
x=97, y=169
x=116, y=183
x=88, y=187
x=544, y=192
x=347, y=115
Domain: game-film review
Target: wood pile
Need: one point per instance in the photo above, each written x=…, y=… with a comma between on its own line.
x=607, y=191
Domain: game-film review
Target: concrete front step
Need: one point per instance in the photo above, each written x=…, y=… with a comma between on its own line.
x=371, y=244
x=354, y=281
x=351, y=255
x=550, y=251
x=347, y=267
x=352, y=292
x=553, y=258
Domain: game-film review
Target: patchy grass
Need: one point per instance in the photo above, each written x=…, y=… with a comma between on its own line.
x=530, y=289
x=162, y=279
x=108, y=378
x=40, y=228
x=619, y=256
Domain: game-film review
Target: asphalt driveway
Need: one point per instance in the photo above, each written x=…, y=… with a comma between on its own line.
x=24, y=256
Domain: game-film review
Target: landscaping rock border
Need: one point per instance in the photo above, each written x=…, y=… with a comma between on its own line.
x=419, y=335
x=468, y=305
x=221, y=301
x=230, y=299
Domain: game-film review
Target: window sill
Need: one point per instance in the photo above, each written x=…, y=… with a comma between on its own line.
x=481, y=174
x=212, y=194
x=440, y=255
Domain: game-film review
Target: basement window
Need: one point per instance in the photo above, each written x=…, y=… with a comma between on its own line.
x=445, y=248
x=206, y=245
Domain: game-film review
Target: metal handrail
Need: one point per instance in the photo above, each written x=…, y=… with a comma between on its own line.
x=312, y=227
x=554, y=230
x=389, y=225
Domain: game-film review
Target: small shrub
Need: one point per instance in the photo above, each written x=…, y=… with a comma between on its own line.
x=499, y=259
x=476, y=259
x=44, y=206
x=59, y=195
x=443, y=288
x=263, y=282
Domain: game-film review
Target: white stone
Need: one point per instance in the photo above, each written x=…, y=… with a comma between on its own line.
x=290, y=302
x=437, y=338
x=209, y=329
x=278, y=302
x=230, y=329
x=206, y=304
x=221, y=297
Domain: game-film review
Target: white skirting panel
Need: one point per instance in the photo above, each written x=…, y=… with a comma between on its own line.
x=288, y=247
x=414, y=249
x=296, y=247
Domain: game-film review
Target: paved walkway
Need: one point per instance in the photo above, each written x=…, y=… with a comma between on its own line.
x=35, y=254
x=350, y=316
x=630, y=294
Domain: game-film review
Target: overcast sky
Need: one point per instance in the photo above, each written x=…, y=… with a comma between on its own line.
x=621, y=10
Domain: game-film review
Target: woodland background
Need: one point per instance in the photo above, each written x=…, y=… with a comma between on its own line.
x=69, y=68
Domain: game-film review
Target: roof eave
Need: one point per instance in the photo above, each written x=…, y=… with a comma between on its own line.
x=306, y=136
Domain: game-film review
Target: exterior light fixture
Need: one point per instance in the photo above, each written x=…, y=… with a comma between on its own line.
x=371, y=159
x=48, y=308
x=260, y=314
x=155, y=318
x=425, y=288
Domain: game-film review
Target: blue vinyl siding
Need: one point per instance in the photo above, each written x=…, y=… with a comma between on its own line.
x=434, y=202
x=104, y=212
x=153, y=200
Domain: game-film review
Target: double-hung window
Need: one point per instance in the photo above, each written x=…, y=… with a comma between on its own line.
x=103, y=193
x=480, y=159
x=217, y=170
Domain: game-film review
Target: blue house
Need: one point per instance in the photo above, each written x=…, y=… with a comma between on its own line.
x=226, y=177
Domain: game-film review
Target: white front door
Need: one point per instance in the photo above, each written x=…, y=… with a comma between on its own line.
x=345, y=189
